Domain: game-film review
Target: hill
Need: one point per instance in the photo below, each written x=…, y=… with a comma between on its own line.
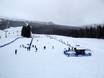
x=85, y=31
x=51, y=61
x=38, y=27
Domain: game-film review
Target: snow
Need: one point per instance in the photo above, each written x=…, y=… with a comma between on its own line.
x=2, y=33
x=49, y=62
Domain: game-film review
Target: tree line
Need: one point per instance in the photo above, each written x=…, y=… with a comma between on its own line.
x=89, y=32
x=86, y=32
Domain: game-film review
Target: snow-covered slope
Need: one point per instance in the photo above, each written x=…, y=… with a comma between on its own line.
x=2, y=34
x=50, y=62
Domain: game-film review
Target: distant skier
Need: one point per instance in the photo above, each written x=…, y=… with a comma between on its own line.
x=52, y=47
x=79, y=51
x=28, y=48
x=69, y=49
x=36, y=48
x=25, y=47
x=44, y=47
x=20, y=46
x=32, y=45
x=15, y=51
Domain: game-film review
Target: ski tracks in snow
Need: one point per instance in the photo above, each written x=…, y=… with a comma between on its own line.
x=10, y=42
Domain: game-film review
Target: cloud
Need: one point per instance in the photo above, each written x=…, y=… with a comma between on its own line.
x=67, y=12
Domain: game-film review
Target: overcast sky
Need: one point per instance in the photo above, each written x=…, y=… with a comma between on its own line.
x=66, y=12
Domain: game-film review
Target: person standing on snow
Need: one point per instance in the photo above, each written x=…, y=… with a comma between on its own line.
x=36, y=48
x=15, y=51
x=44, y=47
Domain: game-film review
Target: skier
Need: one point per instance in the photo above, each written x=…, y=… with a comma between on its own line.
x=15, y=51
x=52, y=47
x=32, y=45
x=28, y=48
x=36, y=48
x=69, y=49
x=20, y=46
x=44, y=47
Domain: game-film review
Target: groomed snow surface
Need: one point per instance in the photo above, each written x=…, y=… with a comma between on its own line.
x=50, y=62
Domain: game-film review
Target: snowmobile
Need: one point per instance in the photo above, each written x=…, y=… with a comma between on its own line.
x=77, y=52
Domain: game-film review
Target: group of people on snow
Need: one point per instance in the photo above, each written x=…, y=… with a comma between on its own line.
x=32, y=46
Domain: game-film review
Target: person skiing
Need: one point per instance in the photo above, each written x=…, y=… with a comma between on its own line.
x=44, y=47
x=69, y=49
x=52, y=47
x=32, y=45
x=15, y=51
x=20, y=46
x=36, y=48
x=28, y=48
